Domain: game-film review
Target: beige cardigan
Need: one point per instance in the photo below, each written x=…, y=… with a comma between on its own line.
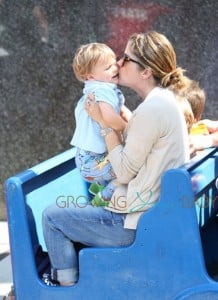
x=156, y=139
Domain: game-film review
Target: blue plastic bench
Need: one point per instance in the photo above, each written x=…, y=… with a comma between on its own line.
x=174, y=255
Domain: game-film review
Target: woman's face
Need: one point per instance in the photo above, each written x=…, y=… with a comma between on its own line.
x=129, y=69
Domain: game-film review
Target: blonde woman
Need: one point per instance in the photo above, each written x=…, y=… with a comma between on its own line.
x=155, y=140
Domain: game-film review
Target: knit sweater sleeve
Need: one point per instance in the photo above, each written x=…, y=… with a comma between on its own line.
x=142, y=132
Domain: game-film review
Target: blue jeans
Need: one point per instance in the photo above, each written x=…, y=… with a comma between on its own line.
x=91, y=226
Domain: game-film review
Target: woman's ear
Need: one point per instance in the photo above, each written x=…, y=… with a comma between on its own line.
x=146, y=73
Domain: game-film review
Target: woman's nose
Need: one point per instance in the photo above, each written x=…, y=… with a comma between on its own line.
x=119, y=63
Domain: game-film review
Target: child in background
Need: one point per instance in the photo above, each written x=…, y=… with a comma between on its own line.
x=196, y=97
x=193, y=107
x=204, y=133
x=203, y=141
x=187, y=111
x=95, y=65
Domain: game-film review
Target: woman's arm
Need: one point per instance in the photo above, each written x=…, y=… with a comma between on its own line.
x=111, y=118
x=128, y=159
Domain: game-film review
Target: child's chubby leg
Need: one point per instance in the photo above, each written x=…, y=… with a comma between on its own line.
x=94, y=167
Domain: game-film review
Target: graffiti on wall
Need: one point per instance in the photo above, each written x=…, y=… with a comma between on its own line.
x=126, y=19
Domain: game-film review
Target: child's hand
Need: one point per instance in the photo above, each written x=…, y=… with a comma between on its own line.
x=199, y=142
x=212, y=126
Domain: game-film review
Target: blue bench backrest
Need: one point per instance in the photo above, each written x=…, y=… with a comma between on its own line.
x=204, y=174
x=166, y=260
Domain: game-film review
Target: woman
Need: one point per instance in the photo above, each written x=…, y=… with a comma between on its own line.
x=155, y=140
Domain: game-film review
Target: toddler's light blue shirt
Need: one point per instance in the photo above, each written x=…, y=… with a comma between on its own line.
x=87, y=133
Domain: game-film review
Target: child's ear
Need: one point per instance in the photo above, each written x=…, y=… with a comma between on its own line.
x=90, y=76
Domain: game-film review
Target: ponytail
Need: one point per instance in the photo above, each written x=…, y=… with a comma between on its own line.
x=176, y=81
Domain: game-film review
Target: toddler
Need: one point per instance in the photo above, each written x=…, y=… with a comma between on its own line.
x=95, y=65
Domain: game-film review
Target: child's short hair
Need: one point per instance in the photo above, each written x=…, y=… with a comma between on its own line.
x=185, y=106
x=196, y=97
x=87, y=56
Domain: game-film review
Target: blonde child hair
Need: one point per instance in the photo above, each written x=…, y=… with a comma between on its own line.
x=185, y=106
x=87, y=56
x=196, y=97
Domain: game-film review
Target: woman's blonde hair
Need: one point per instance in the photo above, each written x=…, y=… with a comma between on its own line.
x=87, y=56
x=155, y=52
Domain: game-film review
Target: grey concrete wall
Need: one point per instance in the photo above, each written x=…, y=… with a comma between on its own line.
x=38, y=90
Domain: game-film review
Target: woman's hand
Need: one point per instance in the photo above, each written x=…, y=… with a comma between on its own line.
x=93, y=110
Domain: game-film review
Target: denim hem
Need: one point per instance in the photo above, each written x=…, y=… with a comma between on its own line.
x=67, y=275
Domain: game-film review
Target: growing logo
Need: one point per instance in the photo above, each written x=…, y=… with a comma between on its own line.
x=140, y=206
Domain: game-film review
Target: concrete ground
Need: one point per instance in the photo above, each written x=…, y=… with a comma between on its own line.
x=5, y=261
